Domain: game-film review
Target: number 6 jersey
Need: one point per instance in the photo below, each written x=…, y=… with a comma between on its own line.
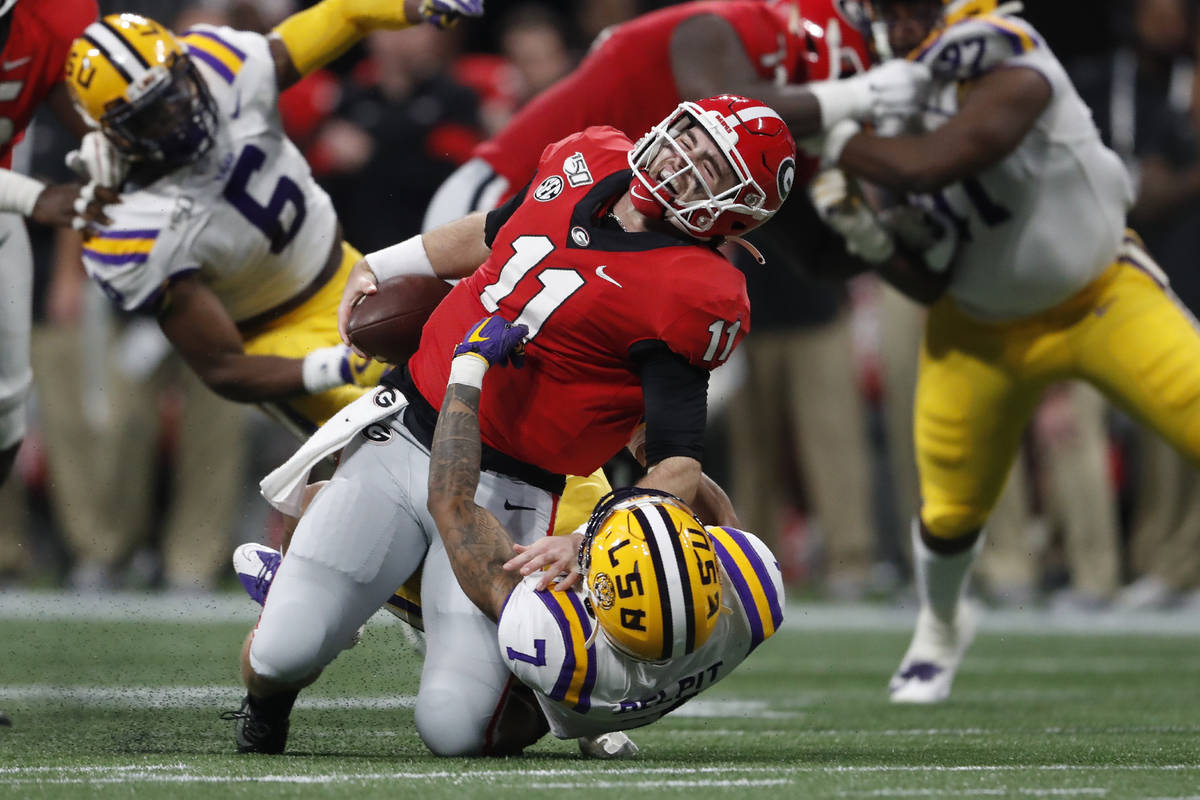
x=247, y=216
x=586, y=686
x=588, y=291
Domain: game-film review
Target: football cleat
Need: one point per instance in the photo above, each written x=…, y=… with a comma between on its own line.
x=256, y=565
x=608, y=745
x=256, y=732
x=927, y=670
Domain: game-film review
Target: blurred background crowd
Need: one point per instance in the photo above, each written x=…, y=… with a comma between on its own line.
x=135, y=476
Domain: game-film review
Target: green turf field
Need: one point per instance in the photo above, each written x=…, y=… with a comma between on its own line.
x=120, y=699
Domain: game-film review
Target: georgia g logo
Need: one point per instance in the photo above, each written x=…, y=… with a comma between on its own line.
x=785, y=176
x=548, y=189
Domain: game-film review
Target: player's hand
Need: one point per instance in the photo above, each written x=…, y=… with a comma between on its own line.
x=496, y=340
x=445, y=13
x=68, y=205
x=848, y=213
x=557, y=555
x=360, y=283
x=98, y=161
x=923, y=231
x=898, y=88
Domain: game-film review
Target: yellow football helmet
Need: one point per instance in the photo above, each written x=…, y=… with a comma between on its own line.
x=651, y=574
x=132, y=78
x=955, y=10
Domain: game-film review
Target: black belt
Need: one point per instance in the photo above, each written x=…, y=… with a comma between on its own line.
x=421, y=418
x=332, y=264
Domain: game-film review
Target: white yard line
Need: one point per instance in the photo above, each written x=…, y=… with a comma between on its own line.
x=799, y=619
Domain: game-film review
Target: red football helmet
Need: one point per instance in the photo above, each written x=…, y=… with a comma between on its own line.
x=756, y=143
x=837, y=36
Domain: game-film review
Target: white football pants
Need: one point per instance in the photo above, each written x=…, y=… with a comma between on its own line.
x=363, y=535
x=16, y=300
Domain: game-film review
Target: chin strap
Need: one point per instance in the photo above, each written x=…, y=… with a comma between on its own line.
x=751, y=249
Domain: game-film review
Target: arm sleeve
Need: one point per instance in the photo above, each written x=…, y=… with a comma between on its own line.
x=498, y=216
x=675, y=396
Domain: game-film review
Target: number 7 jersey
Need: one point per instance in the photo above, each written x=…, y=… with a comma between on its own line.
x=589, y=291
x=247, y=216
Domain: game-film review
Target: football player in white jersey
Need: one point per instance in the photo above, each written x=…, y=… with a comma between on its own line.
x=654, y=607
x=222, y=233
x=1042, y=281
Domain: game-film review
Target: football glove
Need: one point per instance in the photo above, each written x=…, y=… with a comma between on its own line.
x=445, y=13
x=98, y=161
x=923, y=231
x=329, y=367
x=846, y=211
x=495, y=340
x=898, y=88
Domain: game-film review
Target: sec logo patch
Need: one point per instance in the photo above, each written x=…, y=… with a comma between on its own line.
x=548, y=189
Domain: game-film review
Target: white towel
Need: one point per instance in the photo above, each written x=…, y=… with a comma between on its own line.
x=284, y=487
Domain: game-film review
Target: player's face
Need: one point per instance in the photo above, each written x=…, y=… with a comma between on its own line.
x=711, y=165
x=909, y=22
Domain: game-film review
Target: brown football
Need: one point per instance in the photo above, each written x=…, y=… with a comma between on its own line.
x=387, y=325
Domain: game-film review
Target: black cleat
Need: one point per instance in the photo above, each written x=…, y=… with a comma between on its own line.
x=256, y=731
x=4, y=720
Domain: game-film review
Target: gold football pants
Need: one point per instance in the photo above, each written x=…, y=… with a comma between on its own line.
x=979, y=382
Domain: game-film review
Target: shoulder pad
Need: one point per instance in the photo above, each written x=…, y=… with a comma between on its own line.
x=968, y=49
x=757, y=581
x=543, y=638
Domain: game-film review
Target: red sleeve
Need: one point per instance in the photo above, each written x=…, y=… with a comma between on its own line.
x=67, y=22
x=707, y=311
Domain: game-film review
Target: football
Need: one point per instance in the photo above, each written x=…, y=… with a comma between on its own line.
x=387, y=325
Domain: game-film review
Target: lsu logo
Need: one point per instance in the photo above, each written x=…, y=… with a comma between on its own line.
x=785, y=176
x=548, y=189
x=602, y=590
x=576, y=170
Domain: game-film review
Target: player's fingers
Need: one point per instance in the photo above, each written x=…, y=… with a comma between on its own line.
x=106, y=195
x=569, y=581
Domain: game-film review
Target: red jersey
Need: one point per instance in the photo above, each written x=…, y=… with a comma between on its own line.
x=40, y=34
x=626, y=82
x=588, y=292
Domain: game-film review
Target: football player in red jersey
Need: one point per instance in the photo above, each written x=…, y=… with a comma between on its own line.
x=34, y=38
x=609, y=258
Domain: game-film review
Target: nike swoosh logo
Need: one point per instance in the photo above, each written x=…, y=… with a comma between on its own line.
x=475, y=337
x=18, y=62
x=600, y=273
x=510, y=507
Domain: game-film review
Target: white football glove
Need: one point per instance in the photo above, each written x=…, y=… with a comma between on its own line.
x=98, y=161
x=847, y=213
x=898, y=88
x=924, y=231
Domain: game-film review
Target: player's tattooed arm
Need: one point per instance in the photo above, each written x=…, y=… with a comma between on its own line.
x=476, y=542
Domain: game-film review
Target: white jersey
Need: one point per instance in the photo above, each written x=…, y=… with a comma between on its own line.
x=587, y=689
x=248, y=216
x=1045, y=221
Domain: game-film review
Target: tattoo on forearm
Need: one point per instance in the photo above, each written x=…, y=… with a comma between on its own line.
x=476, y=542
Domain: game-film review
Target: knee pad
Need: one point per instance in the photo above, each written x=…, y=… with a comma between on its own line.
x=288, y=652
x=452, y=722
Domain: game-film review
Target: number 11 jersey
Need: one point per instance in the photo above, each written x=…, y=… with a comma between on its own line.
x=589, y=292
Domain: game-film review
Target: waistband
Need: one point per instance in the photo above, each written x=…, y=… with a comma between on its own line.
x=421, y=418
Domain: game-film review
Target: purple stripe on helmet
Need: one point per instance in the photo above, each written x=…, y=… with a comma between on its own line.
x=116, y=259
x=589, y=680
x=213, y=62
x=764, y=574
x=241, y=55
x=1140, y=267
x=143, y=234
x=568, y=667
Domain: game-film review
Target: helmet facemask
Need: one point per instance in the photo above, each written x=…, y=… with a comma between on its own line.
x=169, y=118
x=697, y=212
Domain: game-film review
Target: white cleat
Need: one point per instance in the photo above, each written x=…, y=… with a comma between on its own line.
x=927, y=670
x=608, y=745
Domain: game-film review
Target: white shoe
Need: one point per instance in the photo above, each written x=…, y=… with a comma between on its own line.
x=608, y=745
x=927, y=669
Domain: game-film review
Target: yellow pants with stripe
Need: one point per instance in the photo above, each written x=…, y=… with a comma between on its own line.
x=978, y=383
x=310, y=326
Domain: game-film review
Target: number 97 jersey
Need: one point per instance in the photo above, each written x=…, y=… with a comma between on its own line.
x=247, y=215
x=589, y=292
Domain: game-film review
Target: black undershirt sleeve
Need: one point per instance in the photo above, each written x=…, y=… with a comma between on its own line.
x=675, y=396
x=498, y=216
